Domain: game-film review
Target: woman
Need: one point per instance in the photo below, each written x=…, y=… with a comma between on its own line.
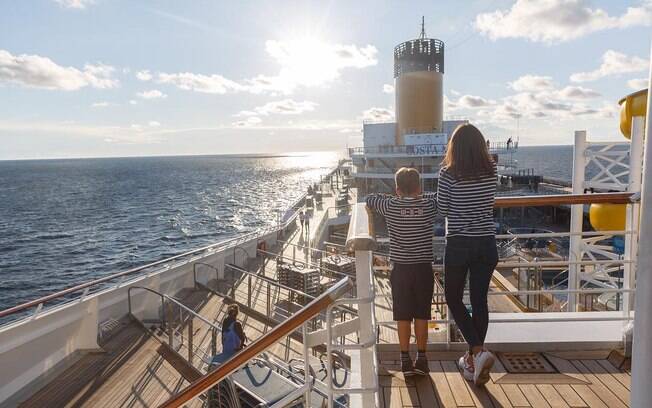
x=465, y=196
x=233, y=336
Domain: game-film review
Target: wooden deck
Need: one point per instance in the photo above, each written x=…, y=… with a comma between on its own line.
x=584, y=379
x=129, y=373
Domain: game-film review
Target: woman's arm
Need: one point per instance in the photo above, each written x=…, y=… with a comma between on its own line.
x=443, y=193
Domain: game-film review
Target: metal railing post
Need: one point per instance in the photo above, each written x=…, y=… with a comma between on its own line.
x=168, y=319
x=577, y=217
x=190, y=335
x=364, y=280
x=306, y=364
x=632, y=213
x=213, y=341
x=249, y=291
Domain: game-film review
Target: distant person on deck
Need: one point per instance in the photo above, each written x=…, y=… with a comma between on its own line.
x=302, y=220
x=307, y=226
x=509, y=143
x=233, y=336
x=465, y=197
x=410, y=219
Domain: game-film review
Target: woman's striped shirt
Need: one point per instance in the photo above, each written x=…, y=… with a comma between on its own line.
x=410, y=225
x=467, y=204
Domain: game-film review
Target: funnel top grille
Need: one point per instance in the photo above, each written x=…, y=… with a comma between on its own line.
x=422, y=54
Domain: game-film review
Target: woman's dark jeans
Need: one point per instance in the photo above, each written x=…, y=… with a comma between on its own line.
x=479, y=256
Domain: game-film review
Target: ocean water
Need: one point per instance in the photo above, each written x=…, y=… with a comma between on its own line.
x=63, y=222
x=549, y=161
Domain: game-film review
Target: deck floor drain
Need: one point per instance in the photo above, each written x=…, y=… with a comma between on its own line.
x=525, y=363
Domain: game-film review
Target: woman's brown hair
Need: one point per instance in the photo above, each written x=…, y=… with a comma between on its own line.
x=467, y=156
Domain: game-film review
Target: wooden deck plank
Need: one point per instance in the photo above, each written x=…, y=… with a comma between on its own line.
x=515, y=395
x=497, y=395
x=570, y=395
x=533, y=396
x=427, y=396
x=552, y=396
x=392, y=397
x=622, y=377
x=608, y=389
x=443, y=389
x=480, y=397
x=457, y=384
x=587, y=394
x=409, y=396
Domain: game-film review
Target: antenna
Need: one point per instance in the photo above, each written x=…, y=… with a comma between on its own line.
x=423, y=28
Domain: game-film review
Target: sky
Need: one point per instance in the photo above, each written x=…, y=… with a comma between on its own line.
x=104, y=78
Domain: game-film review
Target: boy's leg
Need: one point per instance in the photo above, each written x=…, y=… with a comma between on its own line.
x=421, y=333
x=424, y=286
x=404, y=334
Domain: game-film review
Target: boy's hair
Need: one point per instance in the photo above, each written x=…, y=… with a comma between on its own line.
x=232, y=310
x=407, y=180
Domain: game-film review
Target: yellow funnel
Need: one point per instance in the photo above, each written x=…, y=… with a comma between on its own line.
x=632, y=105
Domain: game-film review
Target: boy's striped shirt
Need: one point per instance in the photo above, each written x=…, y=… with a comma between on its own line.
x=468, y=205
x=410, y=225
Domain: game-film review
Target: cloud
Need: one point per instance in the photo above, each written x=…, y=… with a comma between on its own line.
x=102, y=104
x=377, y=115
x=613, y=63
x=552, y=21
x=133, y=102
x=532, y=83
x=144, y=75
x=472, y=101
x=282, y=107
x=577, y=92
x=302, y=63
x=212, y=84
x=75, y=4
x=34, y=71
x=638, y=83
x=151, y=94
x=251, y=121
x=387, y=88
x=153, y=123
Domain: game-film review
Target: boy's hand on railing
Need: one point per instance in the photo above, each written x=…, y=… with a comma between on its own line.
x=635, y=198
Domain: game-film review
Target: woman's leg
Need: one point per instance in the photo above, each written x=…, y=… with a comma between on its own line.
x=455, y=270
x=481, y=268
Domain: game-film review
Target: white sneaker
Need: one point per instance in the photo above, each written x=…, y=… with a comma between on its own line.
x=482, y=363
x=465, y=367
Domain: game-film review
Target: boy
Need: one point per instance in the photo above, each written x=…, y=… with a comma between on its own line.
x=410, y=218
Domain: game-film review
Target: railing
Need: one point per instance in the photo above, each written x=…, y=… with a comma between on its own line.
x=361, y=239
x=297, y=320
x=422, y=149
x=135, y=273
x=185, y=316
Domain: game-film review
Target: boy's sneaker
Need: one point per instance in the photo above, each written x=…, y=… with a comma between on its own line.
x=482, y=363
x=467, y=369
x=407, y=368
x=421, y=366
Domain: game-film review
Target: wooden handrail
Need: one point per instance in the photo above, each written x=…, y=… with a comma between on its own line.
x=295, y=321
x=361, y=237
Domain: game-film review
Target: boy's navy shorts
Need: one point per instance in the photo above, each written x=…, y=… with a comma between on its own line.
x=412, y=289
